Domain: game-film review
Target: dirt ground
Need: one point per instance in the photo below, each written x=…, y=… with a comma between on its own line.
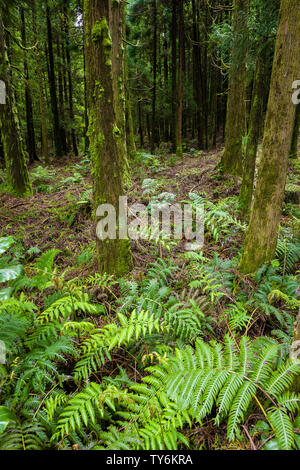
x=54, y=217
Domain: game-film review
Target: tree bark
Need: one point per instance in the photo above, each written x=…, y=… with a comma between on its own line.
x=31, y=147
x=130, y=142
x=86, y=119
x=261, y=238
x=68, y=57
x=114, y=256
x=236, y=128
x=256, y=116
x=174, y=74
x=140, y=125
x=154, y=65
x=116, y=28
x=197, y=75
x=295, y=138
x=179, y=98
x=61, y=95
x=52, y=86
x=41, y=90
x=17, y=174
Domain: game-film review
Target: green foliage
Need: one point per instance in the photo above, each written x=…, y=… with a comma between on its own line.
x=8, y=270
x=27, y=436
x=41, y=178
x=95, y=350
x=68, y=307
x=62, y=343
x=173, y=354
x=231, y=380
x=288, y=254
x=217, y=219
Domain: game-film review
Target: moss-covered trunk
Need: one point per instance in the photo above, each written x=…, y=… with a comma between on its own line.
x=256, y=116
x=116, y=28
x=70, y=81
x=179, y=95
x=261, y=237
x=17, y=174
x=41, y=87
x=31, y=147
x=114, y=256
x=57, y=129
x=295, y=138
x=154, y=139
x=174, y=74
x=131, y=148
x=236, y=128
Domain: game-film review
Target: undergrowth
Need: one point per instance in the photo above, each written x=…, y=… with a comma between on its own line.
x=103, y=363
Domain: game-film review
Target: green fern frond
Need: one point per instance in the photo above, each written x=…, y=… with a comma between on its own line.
x=197, y=380
x=66, y=307
x=96, y=349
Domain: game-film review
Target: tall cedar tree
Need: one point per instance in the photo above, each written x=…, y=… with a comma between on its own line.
x=17, y=174
x=130, y=142
x=255, y=122
x=68, y=57
x=114, y=256
x=261, y=238
x=31, y=147
x=294, y=146
x=174, y=74
x=154, y=88
x=179, y=99
x=118, y=75
x=52, y=85
x=39, y=71
x=232, y=158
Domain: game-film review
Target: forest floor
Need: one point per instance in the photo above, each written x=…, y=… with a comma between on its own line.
x=58, y=215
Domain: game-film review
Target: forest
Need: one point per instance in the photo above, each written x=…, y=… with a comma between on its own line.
x=149, y=225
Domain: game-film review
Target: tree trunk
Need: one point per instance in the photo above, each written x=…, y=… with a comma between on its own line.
x=114, y=255
x=174, y=74
x=61, y=96
x=116, y=29
x=154, y=129
x=197, y=75
x=68, y=57
x=179, y=99
x=261, y=237
x=140, y=125
x=295, y=138
x=52, y=86
x=232, y=158
x=166, y=82
x=130, y=142
x=86, y=119
x=256, y=115
x=31, y=147
x=17, y=174
x=205, y=76
x=41, y=91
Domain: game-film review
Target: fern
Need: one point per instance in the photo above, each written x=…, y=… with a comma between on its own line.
x=24, y=436
x=95, y=350
x=67, y=307
x=288, y=254
x=276, y=294
x=81, y=408
x=217, y=219
x=210, y=376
